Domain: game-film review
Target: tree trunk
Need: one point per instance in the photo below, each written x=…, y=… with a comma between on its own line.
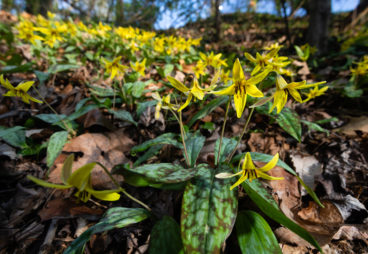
x=217, y=22
x=320, y=11
x=7, y=5
x=45, y=6
x=119, y=13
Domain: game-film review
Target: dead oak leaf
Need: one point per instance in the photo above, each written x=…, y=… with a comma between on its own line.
x=105, y=148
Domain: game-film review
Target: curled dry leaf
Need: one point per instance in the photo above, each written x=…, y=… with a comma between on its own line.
x=106, y=148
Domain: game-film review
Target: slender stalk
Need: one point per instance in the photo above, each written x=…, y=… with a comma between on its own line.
x=122, y=189
x=241, y=136
x=183, y=138
x=71, y=131
x=223, y=130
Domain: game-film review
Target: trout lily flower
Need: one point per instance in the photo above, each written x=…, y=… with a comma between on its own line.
x=114, y=67
x=241, y=87
x=195, y=91
x=79, y=179
x=261, y=61
x=139, y=67
x=251, y=172
x=19, y=91
x=163, y=102
x=283, y=89
x=313, y=93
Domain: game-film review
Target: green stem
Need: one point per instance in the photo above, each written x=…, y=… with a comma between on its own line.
x=223, y=131
x=71, y=131
x=183, y=139
x=122, y=189
x=241, y=136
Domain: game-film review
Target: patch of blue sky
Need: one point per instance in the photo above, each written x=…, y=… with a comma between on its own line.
x=171, y=19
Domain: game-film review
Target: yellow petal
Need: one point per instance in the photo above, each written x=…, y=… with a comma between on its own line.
x=114, y=71
x=253, y=91
x=296, y=95
x=271, y=164
x=226, y=91
x=311, y=85
x=177, y=84
x=240, y=180
x=280, y=82
x=259, y=77
x=6, y=83
x=25, y=86
x=107, y=195
x=190, y=96
x=240, y=99
x=238, y=73
x=248, y=163
x=268, y=177
x=79, y=177
x=250, y=57
x=196, y=90
x=225, y=175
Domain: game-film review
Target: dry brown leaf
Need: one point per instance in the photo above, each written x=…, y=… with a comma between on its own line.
x=355, y=123
x=66, y=208
x=106, y=148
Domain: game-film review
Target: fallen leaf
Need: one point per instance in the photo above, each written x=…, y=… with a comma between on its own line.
x=106, y=148
x=355, y=124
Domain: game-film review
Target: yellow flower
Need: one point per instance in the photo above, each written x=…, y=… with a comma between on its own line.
x=19, y=91
x=114, y=67
x=273, y=46
x=53, y=33
x=199, y=69
x=164, y=103
x=251, y=172
x=241, y=87
x=278, y=63
x=139, y=67
x=213, y=60
x=283, y=89
x=225, y=76
x=79, y=179
x=195, y=91
x=313, y=93
x=261, y=61
x=26, y=32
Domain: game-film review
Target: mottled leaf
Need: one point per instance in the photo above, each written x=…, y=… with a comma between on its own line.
x=55, y=146
x=208, y=212
x=152, y=151
x=255, y=235
x=15, y=136
x=117, y=217
x=165, y=237
x=315, y=126
x=194, y=143
x=164, y=139
x=123, y=115
x=228, y=145
x=268, y=206
x=289, y=121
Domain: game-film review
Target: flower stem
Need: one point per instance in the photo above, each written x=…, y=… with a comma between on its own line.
x=183, y=139
x=223, y=131
x=71, y=131
x=241, y=136
x=122, y=189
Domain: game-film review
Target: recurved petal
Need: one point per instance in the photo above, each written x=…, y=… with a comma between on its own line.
x=177, y=84
x=25, y=86
x=280, y=82
x=311, y=85
x=79, y=178
x=6, y=83
x=240, y=180
x=268, y=177
x=238, y=73
x=47, y=184
x=190, y=96
x=107, y=195
x=248, y=163
x=253, y=91
x=271, y=164
x=250, y=57
x=295, y=94
x=226, y=91
x=34, y=99
x=196, y=90
x=259, y=77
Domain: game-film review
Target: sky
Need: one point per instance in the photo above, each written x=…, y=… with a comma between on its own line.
x=170, y=19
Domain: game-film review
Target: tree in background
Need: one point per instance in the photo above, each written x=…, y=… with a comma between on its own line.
x=319, y=18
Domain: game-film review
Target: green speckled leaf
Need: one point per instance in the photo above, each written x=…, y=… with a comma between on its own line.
x=56, y=144
x=164, y=139
x=165, y=237
x=267, y=204
x=208, y=211
x=255, y=235
x=228, y=144
x=289, y=121
x=117, y=217
x=164, y=172
x=194, y=143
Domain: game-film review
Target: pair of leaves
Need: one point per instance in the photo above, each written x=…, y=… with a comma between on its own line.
x=117, y=217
